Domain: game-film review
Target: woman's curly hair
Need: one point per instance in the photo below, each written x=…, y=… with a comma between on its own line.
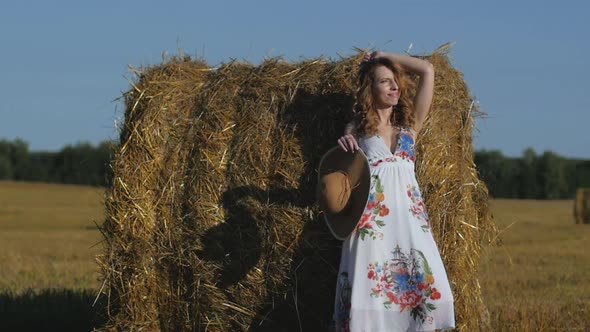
x=365, y=116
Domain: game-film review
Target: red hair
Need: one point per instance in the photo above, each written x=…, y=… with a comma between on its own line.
x=365, y=114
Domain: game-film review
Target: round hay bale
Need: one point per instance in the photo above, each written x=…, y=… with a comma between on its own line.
x=582, y=206
x=211, y=221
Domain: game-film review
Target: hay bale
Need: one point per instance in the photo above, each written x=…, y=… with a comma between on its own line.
x=212, y=222
x=582, y=206
x=456, y=197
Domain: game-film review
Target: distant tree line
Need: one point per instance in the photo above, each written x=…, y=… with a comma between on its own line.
x=82, y=163
x=535, y=176
x=544, y=176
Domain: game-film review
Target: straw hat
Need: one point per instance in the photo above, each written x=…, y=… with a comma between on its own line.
x=344, y=182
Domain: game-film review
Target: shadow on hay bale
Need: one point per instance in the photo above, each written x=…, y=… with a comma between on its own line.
x=212, y=222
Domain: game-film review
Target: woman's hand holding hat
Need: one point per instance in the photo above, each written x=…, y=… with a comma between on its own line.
x=348, y=142
x=344, y=181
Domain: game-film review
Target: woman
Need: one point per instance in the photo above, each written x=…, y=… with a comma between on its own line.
x=391, y=275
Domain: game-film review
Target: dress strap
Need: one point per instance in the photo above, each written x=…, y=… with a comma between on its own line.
x=409, y=130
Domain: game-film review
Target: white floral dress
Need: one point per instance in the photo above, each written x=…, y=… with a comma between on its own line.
x=391, y=275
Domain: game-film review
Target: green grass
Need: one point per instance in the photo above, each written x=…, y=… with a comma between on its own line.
x=537, y=280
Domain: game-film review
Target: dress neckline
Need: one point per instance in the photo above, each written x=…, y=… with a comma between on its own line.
x=398, y=140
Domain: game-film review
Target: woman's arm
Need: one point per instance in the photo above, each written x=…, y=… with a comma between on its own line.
x=425, y=90
x=348, y=140
x=350, y=128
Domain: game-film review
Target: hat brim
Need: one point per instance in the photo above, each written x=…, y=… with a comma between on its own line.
x=343, y=223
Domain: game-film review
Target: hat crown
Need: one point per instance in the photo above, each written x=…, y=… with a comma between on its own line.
x=343, y=189
x=335, y=191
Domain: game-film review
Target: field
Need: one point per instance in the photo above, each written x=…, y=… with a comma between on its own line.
x=48, y=241
x=536, y=280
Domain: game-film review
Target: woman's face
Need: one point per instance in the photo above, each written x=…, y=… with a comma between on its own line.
x=385, y=90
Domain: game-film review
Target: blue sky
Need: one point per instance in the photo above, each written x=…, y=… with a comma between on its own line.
x=64, y=62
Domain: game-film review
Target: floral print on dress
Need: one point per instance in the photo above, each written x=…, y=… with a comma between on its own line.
x=403, y=151
x=343, y=303
x=374, y=210
x=405, y=147
x=387, y=160
x=418, y=208
x=405, y=281
x=403, y=271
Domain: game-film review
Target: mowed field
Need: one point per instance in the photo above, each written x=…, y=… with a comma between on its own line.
x=48, y=241
x=48, y=236
x=538, y=279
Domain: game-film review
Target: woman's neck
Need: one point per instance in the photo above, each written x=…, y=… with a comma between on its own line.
x=385, y=116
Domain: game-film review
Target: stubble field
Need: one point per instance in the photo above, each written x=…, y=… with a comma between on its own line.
x=538, y=279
